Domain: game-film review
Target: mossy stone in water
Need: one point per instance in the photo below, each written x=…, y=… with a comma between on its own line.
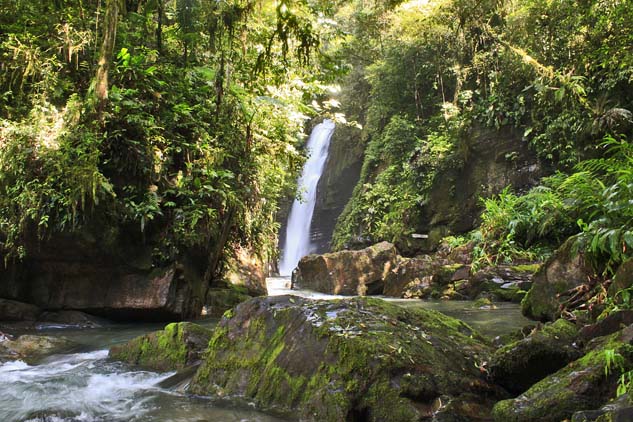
x=177, y=346
x=522, y=363
x=581, y=385
x=353, y=359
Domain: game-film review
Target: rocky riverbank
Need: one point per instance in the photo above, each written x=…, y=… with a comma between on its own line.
x=363, y=359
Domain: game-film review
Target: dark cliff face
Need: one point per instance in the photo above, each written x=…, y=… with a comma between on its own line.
x=488, y=161
x=107, y=274
x=342, y=172
x=491, y=161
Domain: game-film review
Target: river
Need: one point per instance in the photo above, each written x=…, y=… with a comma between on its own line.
x=85, y=386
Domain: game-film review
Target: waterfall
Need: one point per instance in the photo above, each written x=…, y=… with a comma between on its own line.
x=298, y=228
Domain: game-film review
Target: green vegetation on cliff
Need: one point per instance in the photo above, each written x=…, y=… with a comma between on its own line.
x=553, y=76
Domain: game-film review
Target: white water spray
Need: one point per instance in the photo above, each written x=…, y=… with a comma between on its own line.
x=298, y=229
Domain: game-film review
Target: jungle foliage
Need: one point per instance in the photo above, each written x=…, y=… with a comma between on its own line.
x=559, y=72
x=187, y=134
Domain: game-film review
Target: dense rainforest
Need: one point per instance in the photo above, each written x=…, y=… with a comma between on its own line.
x=149, y=151
x=173, y=124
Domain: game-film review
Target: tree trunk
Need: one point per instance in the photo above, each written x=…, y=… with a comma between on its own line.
x=217, y=249
x=106, y=52
x=159, y=28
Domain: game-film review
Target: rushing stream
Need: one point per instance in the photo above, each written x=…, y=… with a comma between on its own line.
x=85, y=386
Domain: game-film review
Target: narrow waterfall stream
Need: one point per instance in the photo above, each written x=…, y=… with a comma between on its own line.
x=297, y=243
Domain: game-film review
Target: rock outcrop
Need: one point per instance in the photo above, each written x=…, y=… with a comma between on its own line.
x=347, y=272
x=12, y=310
x=565, y=270
x=491, y=161
x=107, y=276
x=32, y=348
x=178, y=346
x=246, y=270
x=348, y=360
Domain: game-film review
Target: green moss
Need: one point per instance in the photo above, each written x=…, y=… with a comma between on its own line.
x=161, y=350
x=580, y=385
x=526, y=268
x=336, y=362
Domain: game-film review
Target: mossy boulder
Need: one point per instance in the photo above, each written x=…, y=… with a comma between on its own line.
x=177, y=346
x=347, y=272
x=220, y=300
x=566, y=269
x=520, y=364
x=617, y=410
x=347, y=360
x=581, y=385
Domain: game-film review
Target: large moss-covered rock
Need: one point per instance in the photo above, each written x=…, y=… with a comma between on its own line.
x=177, y=346
x=348, y=360
x=566, y=269
x=347, y=272
x=522, y=363
x=581, y=385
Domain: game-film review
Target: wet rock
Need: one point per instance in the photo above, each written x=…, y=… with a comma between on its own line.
x=75, y=319
x=520, y=364
x=32, y=348
x=563, y=271
x=11, y=310
x=612, y=323
x=355, y=359
x=618, y=410
x=580, y=385
x=177, y=346
x=246, y=270
x=347, y=272
x=504, y=282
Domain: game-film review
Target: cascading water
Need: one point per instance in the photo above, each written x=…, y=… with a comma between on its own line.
x=298, y=229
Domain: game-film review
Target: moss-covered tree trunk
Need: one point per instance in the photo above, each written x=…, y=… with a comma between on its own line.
x=105, y=54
